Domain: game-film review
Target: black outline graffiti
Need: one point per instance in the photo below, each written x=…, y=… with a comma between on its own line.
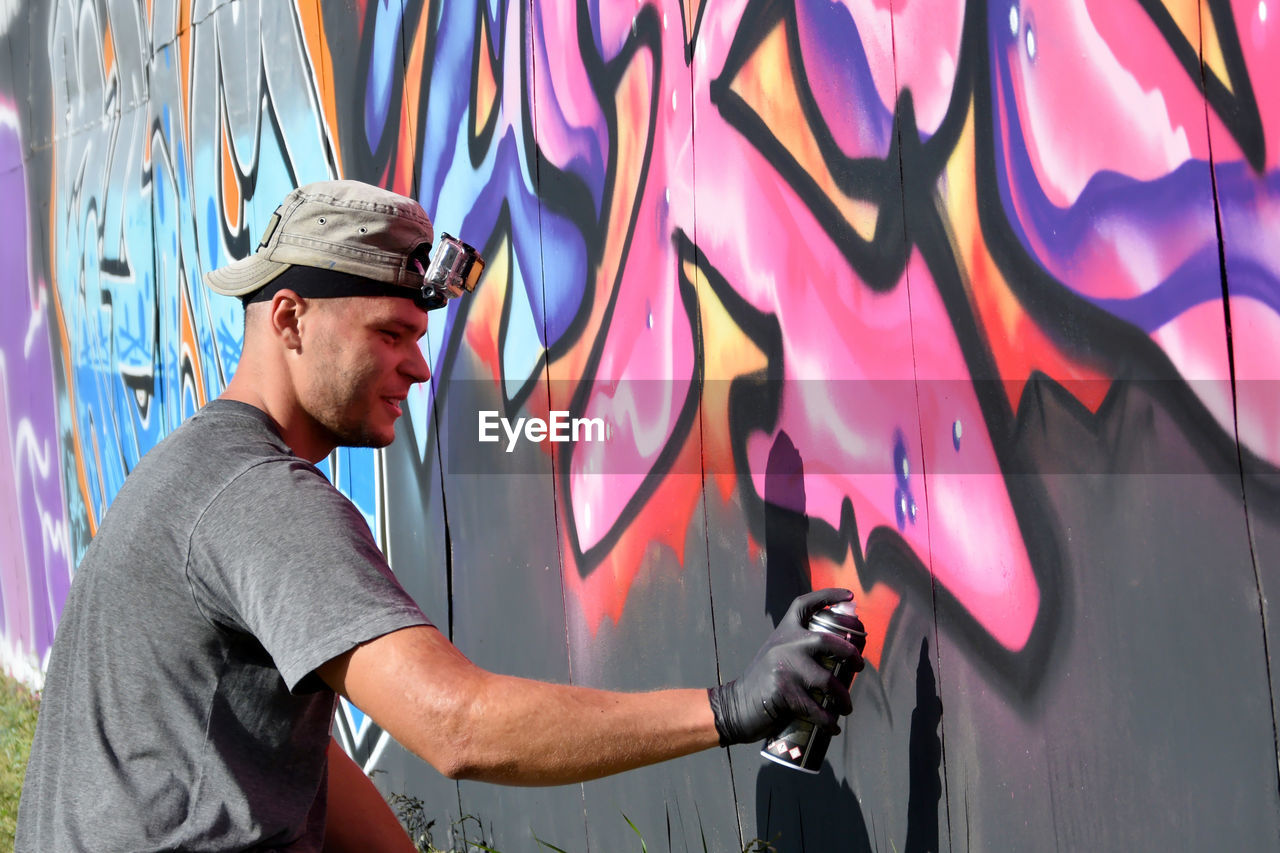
x=913, y=167
x=691, y=35
x=479, y=139
x=1233, y=100
x=902, y=185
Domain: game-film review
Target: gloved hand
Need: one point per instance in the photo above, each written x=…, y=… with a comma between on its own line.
x=776, y=685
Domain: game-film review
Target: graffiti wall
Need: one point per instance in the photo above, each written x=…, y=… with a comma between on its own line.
x=971, y=307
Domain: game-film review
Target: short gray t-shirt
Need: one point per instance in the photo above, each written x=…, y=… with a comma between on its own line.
x=180, y=708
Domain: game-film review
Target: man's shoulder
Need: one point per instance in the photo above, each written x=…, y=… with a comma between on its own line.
x=207, y=452
x=225, y=435
x=224, y=420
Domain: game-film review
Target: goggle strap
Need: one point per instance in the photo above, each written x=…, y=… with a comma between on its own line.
x=316, y=283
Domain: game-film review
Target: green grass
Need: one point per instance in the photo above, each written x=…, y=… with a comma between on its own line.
x=18, y=707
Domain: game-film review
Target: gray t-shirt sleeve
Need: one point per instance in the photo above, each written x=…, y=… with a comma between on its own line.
x=282, y=555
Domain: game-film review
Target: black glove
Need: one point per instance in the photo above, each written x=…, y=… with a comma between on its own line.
x=777, y=686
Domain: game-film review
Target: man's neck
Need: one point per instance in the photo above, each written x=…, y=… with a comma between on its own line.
x=294, y=426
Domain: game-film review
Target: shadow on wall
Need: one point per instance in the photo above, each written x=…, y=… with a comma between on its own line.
x=925, y=757
x=798, y=812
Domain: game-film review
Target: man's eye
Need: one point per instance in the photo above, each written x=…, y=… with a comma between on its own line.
x=390, y=335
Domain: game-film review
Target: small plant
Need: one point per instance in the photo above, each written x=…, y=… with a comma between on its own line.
x=460, y=837
x=413, y=816
x=643, y=847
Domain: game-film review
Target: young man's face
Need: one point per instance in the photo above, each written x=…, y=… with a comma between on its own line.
x=360, y=358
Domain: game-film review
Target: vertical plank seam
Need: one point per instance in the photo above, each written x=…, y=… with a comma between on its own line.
x=1235, y=400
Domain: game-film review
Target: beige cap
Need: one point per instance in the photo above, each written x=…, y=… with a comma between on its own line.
x=347, y=226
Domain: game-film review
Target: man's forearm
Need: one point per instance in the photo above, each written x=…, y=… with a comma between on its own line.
x=473, y=724
x=534, y=733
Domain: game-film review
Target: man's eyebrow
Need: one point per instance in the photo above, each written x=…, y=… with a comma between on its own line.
x=403, y=326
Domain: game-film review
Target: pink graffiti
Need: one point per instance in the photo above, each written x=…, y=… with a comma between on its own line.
x=1149, y=252
x=853, y=383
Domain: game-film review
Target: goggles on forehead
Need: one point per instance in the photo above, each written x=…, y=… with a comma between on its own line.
x=454, y=269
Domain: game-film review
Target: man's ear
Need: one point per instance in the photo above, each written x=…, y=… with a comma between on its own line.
x=287, y=309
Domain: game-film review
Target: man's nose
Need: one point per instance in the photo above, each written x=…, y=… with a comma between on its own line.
x=416, y=367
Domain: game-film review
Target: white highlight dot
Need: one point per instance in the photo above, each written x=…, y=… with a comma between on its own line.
x=1031, y=44
x=906, y=468
x=1013, y=19
x=1262, y=11
x=673, y=100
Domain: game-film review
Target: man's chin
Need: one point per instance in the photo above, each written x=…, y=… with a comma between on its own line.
x=365, y=438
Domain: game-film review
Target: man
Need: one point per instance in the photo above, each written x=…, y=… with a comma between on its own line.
x=231, y=592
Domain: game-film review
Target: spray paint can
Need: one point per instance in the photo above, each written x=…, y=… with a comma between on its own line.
x=800, y=745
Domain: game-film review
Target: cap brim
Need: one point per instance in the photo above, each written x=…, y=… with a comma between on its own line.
x=244, y=276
